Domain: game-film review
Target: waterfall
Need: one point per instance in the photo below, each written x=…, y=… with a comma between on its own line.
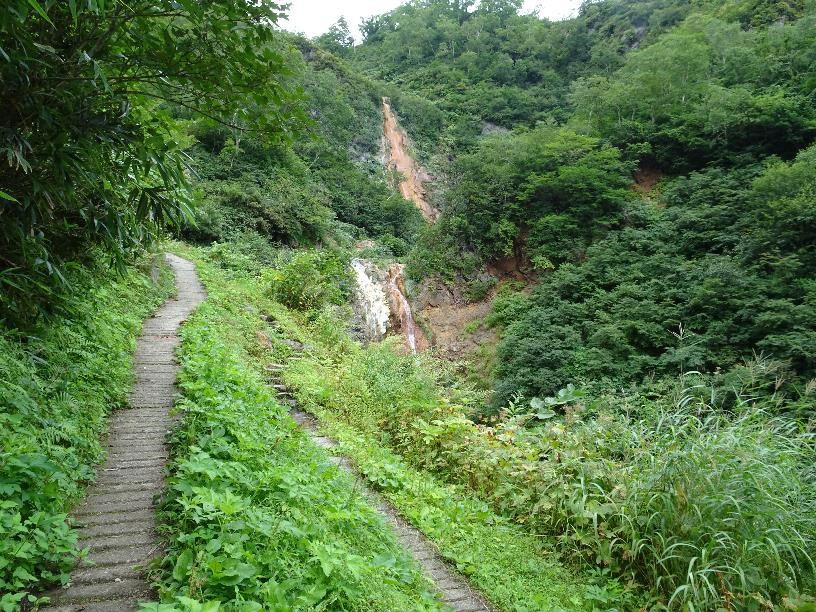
x=381, y=304
x=400, y=306
x=372, y=301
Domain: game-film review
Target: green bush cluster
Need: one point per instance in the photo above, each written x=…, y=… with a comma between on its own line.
x=632, y=67
x=708, y=92
x=58, y=383
x=309, y=280
x=542, y=194
x=700, y=507
x=477, y=289
x=488, y=63
x=725, y=259
x=259, y=516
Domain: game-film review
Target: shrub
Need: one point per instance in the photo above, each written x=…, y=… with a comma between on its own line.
x=309, y=280
x=478, y=289
x=703, y=508
x=94, y=155
x=724, y=258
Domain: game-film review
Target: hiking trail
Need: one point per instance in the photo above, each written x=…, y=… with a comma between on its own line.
x=117, y=520
x=451, y=586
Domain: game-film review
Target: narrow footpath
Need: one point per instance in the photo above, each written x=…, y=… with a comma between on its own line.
x=451, y=586
x=118, y=520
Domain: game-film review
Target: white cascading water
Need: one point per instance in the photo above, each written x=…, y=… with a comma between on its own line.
x=372, y=301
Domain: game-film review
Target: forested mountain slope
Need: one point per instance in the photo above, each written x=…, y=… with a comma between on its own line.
x=327, y=183
x=626, y=245
x=647, y=170
x=717, y=98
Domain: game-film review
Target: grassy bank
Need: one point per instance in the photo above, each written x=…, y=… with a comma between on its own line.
x=257, y=515
x=666, y=495
x=514, y=567
x=225, y=393
x=59, y=380
x=613, y=502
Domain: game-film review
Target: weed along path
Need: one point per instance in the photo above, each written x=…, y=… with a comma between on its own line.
x=452, y=587
x=117, y=519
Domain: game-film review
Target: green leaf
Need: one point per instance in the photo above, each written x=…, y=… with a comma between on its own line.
x=37, y=7
x=213, y=545
x=23, y=574
x=6, y=196
x=183, y=564
x=46, y=48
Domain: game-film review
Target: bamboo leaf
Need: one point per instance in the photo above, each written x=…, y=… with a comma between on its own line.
x=38, y=7
x=6, y=196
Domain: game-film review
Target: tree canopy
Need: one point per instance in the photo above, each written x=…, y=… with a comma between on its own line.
x=94, y=156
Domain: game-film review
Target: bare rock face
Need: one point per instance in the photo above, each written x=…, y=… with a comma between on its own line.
x=397, y=157
x=434, y=296
x=453, y=318
x=402, y=317
x=433, y=293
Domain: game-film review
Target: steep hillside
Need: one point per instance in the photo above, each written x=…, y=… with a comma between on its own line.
x=501, y=313
x=707, y=96
x=329, y=184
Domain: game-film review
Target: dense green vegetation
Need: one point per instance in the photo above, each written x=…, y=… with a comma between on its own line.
x=702, y=275
x=726, y=262
x=547, y=191
x=94, y=169
x=486, y=62
x=58, y=383
x=665, y=495
x=248, y=423
x=260, y=518
x=295, y=193
x=93, y=155
x=706, y=92
x=672, y=498
x=722, y=254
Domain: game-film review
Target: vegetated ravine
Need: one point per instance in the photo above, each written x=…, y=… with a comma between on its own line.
x=603, y=227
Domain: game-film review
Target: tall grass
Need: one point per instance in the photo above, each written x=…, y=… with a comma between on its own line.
x=722, y=510
x=705, y=508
